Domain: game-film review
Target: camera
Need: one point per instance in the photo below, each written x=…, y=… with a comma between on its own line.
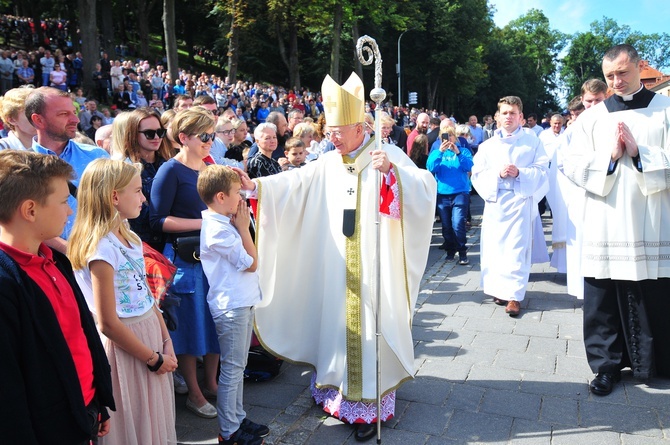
x=444, y=136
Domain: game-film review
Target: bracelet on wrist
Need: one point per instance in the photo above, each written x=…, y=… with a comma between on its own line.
x=156, y=366
x=150, y=357
x=166, y=340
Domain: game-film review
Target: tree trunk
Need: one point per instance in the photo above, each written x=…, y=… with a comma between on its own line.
x=280, y=45
x=335, y=46
x=233, y=42
x=356, y=35
x=170, y=39
x=107, y=27
x=294, y=67
x=72, y=30
x=89, y=41
x=144, y=9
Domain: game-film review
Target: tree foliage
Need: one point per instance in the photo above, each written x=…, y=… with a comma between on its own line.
x=584, y=58
x=453, y=55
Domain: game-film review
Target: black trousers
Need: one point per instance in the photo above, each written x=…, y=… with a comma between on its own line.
x=626, y=324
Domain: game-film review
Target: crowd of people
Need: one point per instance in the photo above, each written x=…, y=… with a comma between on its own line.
x=225, y=183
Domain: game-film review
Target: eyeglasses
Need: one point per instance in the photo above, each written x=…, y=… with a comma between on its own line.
x=206, y=137
x=225, y=132
x=337, y=133
x=150, y=134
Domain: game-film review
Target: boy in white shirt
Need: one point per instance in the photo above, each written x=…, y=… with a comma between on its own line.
x=229, y=260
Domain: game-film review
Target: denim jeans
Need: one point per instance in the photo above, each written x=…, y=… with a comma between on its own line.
x=453, y=211
x=234, y=328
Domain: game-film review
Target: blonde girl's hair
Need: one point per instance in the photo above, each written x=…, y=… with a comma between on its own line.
x=116, y=148
x=12, y=104
x=96, y=214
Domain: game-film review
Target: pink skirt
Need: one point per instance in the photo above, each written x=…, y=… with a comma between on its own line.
x=145, y=412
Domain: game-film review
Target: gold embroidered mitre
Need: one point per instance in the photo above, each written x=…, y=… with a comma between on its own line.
x=343, y=105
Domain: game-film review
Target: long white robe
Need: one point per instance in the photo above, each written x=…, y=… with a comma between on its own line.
x=626, y=223
x=567, y=207
x=318, y=299
x=510, y=210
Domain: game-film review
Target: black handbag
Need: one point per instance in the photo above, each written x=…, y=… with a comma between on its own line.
x=188, y=248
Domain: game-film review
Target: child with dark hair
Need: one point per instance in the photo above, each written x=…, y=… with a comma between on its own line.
x=56, y=378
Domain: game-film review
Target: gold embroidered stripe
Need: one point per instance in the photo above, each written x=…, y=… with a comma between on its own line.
x=353, y=308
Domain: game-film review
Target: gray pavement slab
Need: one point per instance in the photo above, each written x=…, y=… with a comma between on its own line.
x=481, y=377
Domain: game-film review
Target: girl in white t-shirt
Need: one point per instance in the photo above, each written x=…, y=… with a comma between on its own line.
x=109, y=265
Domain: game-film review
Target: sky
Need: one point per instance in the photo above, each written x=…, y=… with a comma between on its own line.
x=571, y=16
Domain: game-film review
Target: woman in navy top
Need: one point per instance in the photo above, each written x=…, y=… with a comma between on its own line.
x=176, y=210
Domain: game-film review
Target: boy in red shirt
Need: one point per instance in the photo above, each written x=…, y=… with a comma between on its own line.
x=56, y=378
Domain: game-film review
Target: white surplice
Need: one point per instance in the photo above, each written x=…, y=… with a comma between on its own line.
x=618, y=243
x=567, y=207
x=318, y=299
x=510, y=210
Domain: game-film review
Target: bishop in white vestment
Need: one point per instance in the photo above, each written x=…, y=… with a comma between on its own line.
x=316, y=250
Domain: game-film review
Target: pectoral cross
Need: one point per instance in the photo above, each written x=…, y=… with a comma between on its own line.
x=351, y=169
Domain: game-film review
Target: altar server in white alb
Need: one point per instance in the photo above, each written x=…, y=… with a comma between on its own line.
x=316, y=248
x=620, y=155
x=510, y=174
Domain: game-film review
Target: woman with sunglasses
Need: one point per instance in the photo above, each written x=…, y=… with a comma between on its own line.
x=144, y=140
x=175, y=209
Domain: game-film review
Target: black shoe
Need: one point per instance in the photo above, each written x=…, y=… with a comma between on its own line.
x=450, y=258
x=365, y=431
x=604, y=382
x=254, y=428
x=241, y=437
x=463, y=259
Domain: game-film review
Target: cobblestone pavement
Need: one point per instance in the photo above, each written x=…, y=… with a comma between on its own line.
x=481, y=376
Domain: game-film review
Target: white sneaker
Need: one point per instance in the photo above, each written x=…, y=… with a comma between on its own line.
x=179, y=383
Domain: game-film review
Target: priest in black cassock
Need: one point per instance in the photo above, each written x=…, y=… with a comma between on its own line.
x=620, y=154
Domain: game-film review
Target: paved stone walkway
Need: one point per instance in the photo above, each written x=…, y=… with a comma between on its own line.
x=482, y=377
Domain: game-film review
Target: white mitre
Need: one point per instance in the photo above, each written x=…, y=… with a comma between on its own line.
x=343, y=105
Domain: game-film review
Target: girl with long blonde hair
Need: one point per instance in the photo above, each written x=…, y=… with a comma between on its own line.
x=108, y=262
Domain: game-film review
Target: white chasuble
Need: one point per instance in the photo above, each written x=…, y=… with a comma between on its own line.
x=508, y=237
x=318, y=302
x=626, y=223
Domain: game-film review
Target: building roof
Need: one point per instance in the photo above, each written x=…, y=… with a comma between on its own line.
x=652, y=77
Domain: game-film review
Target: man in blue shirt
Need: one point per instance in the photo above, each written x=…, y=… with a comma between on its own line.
x=477, y=133
x=53, y=115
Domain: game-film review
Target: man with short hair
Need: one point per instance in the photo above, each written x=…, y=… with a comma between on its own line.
x=53, y=115
x=433, y=130
x=334, y=201
x=477, y=133
x=550, y=136
x=619, y=154
x=6, y=72
x=86, y=115
x=295, y=116
x=182, y=102
x=510, y=174
x=25, y=74
x=47, y=62
x=422, y=121
x=575, y=108
x=531, y=120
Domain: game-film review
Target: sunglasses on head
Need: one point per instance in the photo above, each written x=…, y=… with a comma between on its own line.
x=150, y=134
x=206, y=137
